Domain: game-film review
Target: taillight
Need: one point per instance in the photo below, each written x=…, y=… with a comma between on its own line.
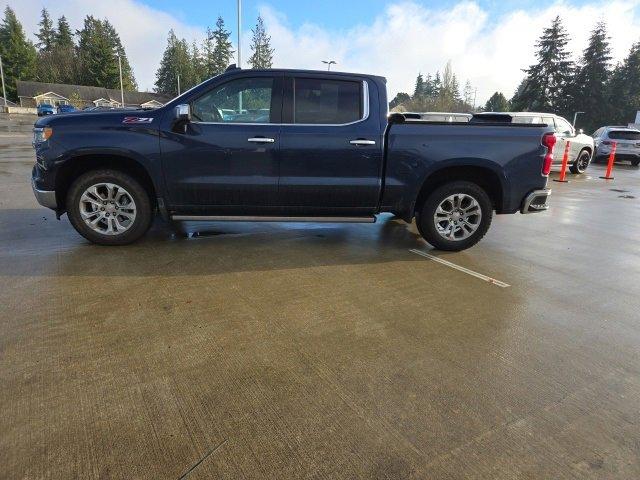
x=548, y=140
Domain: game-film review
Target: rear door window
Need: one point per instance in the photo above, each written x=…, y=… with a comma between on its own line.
x=624, y=135
x=326, y=102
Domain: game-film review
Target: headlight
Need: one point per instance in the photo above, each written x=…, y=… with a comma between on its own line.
x=41, y=135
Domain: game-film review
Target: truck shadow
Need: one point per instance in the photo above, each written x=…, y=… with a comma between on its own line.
x=34, y=243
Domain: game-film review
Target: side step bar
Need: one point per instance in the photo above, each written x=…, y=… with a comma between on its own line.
x=238, y=218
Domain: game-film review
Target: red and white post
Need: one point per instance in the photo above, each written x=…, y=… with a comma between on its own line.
x=612, y=158
x=565, y=161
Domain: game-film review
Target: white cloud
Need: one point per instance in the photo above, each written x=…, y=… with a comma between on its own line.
x=408, y=38
x=400, y=41
x=143, y=30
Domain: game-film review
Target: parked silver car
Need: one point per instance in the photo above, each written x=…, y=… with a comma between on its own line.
x=627, y=144
x=580, y=150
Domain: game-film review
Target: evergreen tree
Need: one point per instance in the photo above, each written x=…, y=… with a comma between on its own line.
x=64, y=54
x=624, y=88
x=18, y=53
x=419, y=90
x=262, y=56
x=437, y=85
x=176, y=60
x=64, y=36
x=455, y=89
x=547, y=85
x=217, y=51
x=128, y=80
x=429, y=89
x=590, y=86
x=497, y=103
x=197, y=61
x=47, y=34
x=97, y=63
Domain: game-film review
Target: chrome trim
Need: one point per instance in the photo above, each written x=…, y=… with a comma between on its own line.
x=365, y=116
x=255, y=218
x=46, y=198
x=362, y=142
x=260, y=140
x=527, y=207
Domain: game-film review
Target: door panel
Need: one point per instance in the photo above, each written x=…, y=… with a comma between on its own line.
x=321, y=170
x=226, y=158
x=217, y=165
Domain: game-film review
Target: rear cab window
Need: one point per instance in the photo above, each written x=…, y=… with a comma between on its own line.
x=326, y=101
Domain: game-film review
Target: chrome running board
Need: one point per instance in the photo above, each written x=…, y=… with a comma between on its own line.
x=251, y=218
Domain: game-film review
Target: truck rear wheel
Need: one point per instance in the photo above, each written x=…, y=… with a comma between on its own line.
x=455, y=216
x=109, y=207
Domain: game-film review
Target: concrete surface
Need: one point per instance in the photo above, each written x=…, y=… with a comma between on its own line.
x=283, y=351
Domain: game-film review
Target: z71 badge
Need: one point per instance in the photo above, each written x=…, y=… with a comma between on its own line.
x=137, y=120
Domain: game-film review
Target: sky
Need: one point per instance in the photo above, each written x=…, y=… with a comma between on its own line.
x=488, y=42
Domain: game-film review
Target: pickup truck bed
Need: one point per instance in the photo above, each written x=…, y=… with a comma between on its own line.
x=276, y=145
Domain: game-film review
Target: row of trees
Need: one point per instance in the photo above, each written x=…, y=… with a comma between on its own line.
x=606, y=94
x=88, y=56
x=195, y=63
x=436, y=93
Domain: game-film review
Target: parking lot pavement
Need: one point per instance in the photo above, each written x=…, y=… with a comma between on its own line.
x=322, y=351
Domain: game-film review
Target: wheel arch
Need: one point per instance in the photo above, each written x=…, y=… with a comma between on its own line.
x=80, y=164
x=488, y=179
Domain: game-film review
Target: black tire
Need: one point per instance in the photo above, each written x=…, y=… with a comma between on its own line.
x=143, y=209
x=582, y=162
x=427, y=225
x=635, y=163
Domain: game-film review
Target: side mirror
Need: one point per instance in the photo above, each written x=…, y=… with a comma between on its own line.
x=183, y=113
x=581, y=131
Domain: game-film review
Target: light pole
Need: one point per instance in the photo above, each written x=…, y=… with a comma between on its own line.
x=329, y=63
x=178, y=75
x=239, y=33
x=121, y=86
x=4, y=92
x=575, y=117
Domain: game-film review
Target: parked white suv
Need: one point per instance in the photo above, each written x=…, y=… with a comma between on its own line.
x=627, y=144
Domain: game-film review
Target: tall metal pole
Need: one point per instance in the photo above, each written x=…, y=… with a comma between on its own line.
x=178, y=84
x=4, y=92
x=121, y=86
x=239, y=33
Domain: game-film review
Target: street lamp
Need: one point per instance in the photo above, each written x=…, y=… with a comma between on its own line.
x=239, y=33
x=121, y=86
x=329, y=63
x=575, y=117
x=4, y=92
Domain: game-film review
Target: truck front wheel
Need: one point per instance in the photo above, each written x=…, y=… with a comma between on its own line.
x=455, y=216
x=109, y=207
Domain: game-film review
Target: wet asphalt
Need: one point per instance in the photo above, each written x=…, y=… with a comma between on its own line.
x=286, y=351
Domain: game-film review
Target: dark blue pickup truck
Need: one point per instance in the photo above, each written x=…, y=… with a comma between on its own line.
x=286, y=145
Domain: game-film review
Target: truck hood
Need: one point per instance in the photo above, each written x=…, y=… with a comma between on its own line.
x=102, y=119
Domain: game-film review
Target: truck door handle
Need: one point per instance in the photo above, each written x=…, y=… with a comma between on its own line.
x=260, y=140
x=362, y=142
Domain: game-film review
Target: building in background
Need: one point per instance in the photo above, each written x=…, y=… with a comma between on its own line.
x=32, y=94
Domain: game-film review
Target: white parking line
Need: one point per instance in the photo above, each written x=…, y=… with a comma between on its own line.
x=461, y=269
